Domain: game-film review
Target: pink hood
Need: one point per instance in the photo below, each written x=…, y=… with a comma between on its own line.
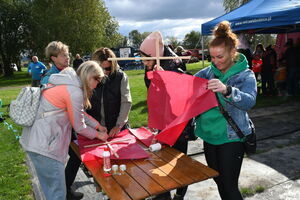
x=148, y=45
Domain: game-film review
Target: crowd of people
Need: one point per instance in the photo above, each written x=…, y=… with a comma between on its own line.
x=93, y=99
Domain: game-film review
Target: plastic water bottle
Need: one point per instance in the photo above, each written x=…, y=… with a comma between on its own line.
x=0, y=103
x=106, y=161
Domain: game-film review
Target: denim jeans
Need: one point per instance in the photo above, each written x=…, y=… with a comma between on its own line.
x=51, y=175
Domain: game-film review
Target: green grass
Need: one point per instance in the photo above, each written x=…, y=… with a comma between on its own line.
x=19, y=78
x=14, y=179
x=246, y=192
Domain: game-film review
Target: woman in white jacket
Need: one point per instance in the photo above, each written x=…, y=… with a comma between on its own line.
x=61, y=108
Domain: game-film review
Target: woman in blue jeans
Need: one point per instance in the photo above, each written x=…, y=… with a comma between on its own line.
x=61, y=108
x=235, y=86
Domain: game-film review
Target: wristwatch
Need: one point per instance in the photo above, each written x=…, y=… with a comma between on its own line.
x=228, y=90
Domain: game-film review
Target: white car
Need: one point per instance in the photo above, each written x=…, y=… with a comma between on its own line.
x=14, y=66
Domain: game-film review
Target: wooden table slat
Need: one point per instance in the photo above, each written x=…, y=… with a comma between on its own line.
x=194, y=163
x=108, y=184
x=142, y=178
x=129, y=184
x=156, y=174
x=177, y=174
x=177, y=161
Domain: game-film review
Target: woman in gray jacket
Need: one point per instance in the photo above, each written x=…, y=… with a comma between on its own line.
x=61, y=108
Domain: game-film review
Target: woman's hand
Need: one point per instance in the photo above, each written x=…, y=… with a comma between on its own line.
x=217, y=86
x=158, y=68
x=114, y=131
x=102, y=136
x=102, y=128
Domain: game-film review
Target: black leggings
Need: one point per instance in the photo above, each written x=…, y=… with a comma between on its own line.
x=227, y=160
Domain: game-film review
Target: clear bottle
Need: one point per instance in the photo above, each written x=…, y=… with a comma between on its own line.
x=106, y=161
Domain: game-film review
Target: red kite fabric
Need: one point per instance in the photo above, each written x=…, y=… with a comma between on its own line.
x=126, y=150
x=173, y=99
x=143, y=134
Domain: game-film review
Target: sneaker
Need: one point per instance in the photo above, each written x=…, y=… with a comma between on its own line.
x=72, y=195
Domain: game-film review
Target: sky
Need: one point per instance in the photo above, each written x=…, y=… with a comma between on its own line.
x=171, y=17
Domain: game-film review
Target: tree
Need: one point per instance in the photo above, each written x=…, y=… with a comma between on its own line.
x=230, y=5
x=192, y=40
x=135, y=38
x=84, y=25
x=14, y=31
x=172, y=40
x=253, y=39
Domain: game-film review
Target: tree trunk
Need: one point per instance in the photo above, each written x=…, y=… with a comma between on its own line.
x=8, y=71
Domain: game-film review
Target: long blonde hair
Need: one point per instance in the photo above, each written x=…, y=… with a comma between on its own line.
x=86, y=71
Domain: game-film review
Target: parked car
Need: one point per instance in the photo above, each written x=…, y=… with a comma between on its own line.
x=14, y=66
x=198, y=53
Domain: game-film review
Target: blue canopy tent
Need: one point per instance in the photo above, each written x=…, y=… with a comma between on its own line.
x=261, y=16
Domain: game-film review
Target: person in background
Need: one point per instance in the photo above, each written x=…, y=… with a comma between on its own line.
x=77, y=61
x=280, y=78
x=36, y=69
x=291, y=58
x=47, y=141
x=147, y=49
x=235, y=87
x=269, y=63
x=259, y=50
x=180, y=51
x=111, y=100
x=58, y=53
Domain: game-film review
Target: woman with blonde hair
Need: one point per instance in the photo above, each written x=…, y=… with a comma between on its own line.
x=62, y=107
x=235, y=87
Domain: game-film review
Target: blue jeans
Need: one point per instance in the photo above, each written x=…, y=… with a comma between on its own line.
x=51, y=175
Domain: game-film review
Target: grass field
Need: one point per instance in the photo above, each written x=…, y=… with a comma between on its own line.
x=14, y=178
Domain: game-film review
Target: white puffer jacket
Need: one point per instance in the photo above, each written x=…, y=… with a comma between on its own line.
x=50, y=135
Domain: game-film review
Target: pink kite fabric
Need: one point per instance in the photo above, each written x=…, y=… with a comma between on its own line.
x=143, y=134
x=173, y=99
x=126, y=150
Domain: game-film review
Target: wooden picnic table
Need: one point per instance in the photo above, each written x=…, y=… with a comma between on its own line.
x=163, y=171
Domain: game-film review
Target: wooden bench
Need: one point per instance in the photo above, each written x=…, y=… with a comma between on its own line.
x=163, y=171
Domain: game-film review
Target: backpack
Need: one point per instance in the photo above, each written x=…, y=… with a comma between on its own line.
x=23, y=110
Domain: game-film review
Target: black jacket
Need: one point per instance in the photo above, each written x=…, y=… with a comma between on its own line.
x=167, y=65
x=111, y=92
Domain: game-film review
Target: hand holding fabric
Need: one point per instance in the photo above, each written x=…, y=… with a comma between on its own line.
x=102, y=135
x=158, y=68
x=102, y=128
x=216, y=85
x=114, y=131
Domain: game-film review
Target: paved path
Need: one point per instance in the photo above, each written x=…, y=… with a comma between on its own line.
x=275, y=168
x=12, y=87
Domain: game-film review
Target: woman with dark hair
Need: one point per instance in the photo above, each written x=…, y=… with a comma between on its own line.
x=111, y=100
x=235, y=87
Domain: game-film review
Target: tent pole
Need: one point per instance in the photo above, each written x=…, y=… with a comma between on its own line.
x=202, y=44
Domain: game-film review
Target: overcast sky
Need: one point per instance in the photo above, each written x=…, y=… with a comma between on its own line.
x=171, y=17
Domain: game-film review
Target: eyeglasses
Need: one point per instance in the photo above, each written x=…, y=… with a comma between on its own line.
x=107, y=69
x=97, y=78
